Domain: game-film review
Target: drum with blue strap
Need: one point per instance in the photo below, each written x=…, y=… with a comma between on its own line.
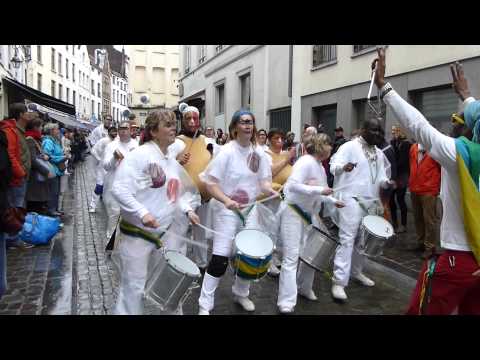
x=253, y=254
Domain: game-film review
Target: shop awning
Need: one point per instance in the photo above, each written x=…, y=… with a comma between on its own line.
x=18, y=92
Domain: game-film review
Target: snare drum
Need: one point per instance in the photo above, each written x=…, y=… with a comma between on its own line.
x=319, y=249
x=253, y=254
x=172, y=280
x=375, y=231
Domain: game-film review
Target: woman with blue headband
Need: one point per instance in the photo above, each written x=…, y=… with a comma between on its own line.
x=236, y=176
x=450, y=280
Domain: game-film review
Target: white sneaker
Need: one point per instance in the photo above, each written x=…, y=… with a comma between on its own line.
x=338, y=292
x=285, y=309
x=310, y=295
x=91, y=210
x=273, y=270
x=364, y=280
x=202, y=311
x=244, y=302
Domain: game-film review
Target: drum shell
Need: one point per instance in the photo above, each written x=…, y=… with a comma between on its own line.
x=250, y=267
x=370, y=244
x=319, y=250
x=167, y=285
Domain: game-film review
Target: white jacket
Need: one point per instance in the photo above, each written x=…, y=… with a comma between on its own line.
x=442, y=149
x=148, y=181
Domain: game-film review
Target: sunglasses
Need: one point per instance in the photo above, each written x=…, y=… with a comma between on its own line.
x=246, y=122
x=456, y=119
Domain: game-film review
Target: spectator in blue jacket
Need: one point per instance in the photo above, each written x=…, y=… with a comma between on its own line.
x=52, y=147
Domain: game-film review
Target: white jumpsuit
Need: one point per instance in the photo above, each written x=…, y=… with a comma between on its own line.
x=303, y=188
x=97, y=152
x=364, y=182
x=147, y=181
x=231, y=169
x=110, y=165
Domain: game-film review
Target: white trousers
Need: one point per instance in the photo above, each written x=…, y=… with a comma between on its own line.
x=133, y=256
x=292, y=233
x=228, y=223
x=113, y=212
x=181, y=226
x=347, y=258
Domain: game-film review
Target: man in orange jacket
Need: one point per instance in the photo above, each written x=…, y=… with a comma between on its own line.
x=424, y=188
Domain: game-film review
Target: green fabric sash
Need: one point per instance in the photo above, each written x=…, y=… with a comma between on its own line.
x=135, y=231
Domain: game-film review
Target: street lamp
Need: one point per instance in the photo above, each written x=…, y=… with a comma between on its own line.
x=17, y=62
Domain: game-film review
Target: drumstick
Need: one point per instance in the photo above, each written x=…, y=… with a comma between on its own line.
x=184, y=238
x=263, y=200
x=211, y=230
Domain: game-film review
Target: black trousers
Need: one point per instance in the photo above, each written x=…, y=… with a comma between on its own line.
x=398, y=195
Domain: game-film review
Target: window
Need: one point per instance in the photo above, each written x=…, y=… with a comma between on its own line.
x=281, y=119
x=363, y=111
x=245, y=91
x=93, y=87
x=202, y=53
x=218, y=48
x=98, y=112
x=52, y=88
x=327, y=116
x=66, y=68
x=358, y=48
x=59, y=64
x=73, y=72
x=39, y=82
x=67, y=96
x=73, y=49
x=93, y=107
x=74, y=97
x=53, y=59
x=220, y=99
x=437, y=105
x=187, y=59
x=39, y=54
x=66, y=47
x=323, y=54
x=98, y=90
x=60, y=91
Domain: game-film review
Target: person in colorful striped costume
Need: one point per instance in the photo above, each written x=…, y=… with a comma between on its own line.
x=451, y=281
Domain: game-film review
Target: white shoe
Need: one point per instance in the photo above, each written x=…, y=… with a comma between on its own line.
x=285, y=309
x=310, y=295
x=244, y=302
x=338, y=292
x=273, y=270
x=202, y=311
x=364, y=280
x=91, y=210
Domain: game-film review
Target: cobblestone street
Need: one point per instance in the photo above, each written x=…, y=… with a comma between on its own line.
x=72, y=275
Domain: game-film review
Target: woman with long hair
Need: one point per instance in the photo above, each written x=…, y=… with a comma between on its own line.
x=236, y=176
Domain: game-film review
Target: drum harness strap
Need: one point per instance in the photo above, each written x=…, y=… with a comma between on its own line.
x=307, y=219
x=135, y=231
x=243, y=214
x=426, y=290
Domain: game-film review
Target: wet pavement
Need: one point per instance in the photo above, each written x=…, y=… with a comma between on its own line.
x=72, y=275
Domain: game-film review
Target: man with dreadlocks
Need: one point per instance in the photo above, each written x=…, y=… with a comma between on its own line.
x=451, y=280
x=194, y=151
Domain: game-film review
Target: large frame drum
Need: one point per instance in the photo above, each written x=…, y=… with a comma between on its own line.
x=375, y=231
x=252, y=254
x=319, y=249
x=172, y=280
